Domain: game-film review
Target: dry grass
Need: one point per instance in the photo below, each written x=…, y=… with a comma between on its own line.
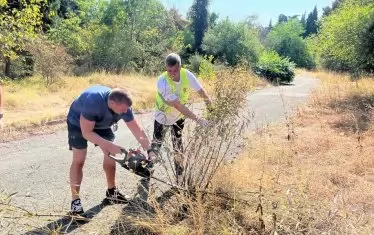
x=317, y=177
x=30, y=106
x=30, y=102
x=312, y=175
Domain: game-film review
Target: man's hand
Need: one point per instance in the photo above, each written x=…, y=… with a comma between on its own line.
x=112, y=148
x=210, y=108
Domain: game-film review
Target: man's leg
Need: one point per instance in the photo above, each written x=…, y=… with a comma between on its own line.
x=78, y=145
x=109, y=166
x=76, y=171
x=178, y=145
x=158, y=135
x=76, y=175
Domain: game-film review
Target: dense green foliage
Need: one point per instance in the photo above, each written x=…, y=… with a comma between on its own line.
x=345, y=40
x=275, y=68
x=233, y=42
x=286, y=39
x=135, y=35
x=199, y=16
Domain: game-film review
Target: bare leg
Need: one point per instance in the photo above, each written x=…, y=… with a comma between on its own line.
x=76, y=171
x=109, y=166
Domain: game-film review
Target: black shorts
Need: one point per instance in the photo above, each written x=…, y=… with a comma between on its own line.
x=77, y=141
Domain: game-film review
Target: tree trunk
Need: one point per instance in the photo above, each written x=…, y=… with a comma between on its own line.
x=7, y=67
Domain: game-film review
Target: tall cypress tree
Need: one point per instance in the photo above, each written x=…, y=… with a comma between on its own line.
x=311, y=23
x=199, y=21
x=282, y=18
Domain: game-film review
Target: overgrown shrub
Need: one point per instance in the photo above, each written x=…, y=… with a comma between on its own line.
x=275, y=68
x=195, y=204
x=51, y=60
x=206, y=69
x=194, y=62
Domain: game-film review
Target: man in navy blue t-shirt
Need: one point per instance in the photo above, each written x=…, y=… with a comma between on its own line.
x=90, y=118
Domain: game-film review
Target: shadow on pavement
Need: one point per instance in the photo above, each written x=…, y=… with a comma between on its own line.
x=67, y=224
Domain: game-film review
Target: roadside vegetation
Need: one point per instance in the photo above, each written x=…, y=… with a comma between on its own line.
x=312, y=174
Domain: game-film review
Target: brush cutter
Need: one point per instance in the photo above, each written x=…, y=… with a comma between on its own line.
x=135, y=161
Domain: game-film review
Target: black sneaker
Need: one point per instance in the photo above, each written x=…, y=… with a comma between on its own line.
x=77, y=211
x=76, y=206
x=114, y=196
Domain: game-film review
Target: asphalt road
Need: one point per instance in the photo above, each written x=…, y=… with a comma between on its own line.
x=37, y=168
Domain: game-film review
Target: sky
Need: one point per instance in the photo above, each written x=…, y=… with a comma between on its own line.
x=238, y=10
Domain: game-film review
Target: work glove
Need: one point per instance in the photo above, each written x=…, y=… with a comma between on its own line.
x=203, y=122
x=152, y=155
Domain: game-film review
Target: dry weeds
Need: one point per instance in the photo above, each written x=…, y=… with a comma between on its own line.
x=312, y=175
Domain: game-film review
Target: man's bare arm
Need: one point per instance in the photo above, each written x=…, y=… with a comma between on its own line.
x=183, y=109
x=202, y=93
x=139, y=134
x=88, y=133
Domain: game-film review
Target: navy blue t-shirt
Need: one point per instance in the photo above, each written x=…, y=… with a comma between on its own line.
x=92, y=104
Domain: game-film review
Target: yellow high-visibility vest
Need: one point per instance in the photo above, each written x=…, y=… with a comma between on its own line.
x=183, y=95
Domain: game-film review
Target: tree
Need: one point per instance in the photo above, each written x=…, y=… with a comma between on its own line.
x=303, y=20
x=286, y=40
x=265, y=30
x=270, y=26
x=282, y=18
x=178, y=20
x=20, y=22
x=327, y=10
x=345, y=41
x=78, y=29
x=199, y=17
x=213, y=18
x=233, y=42
x=311, y=23
x=135, y=36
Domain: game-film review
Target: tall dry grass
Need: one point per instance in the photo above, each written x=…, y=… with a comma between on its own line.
x=192, y=204
x=311, y=175
x=317, y=177
x=30, y=102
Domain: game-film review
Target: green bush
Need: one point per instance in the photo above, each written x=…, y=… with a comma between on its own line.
x=194, y=62
x=345, y=39
x=232, y=42
x=206, y=69
x=275, y=68
x=202, y=65
x=285, y=38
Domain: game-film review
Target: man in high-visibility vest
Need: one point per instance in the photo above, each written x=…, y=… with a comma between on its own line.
x=173, y=92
